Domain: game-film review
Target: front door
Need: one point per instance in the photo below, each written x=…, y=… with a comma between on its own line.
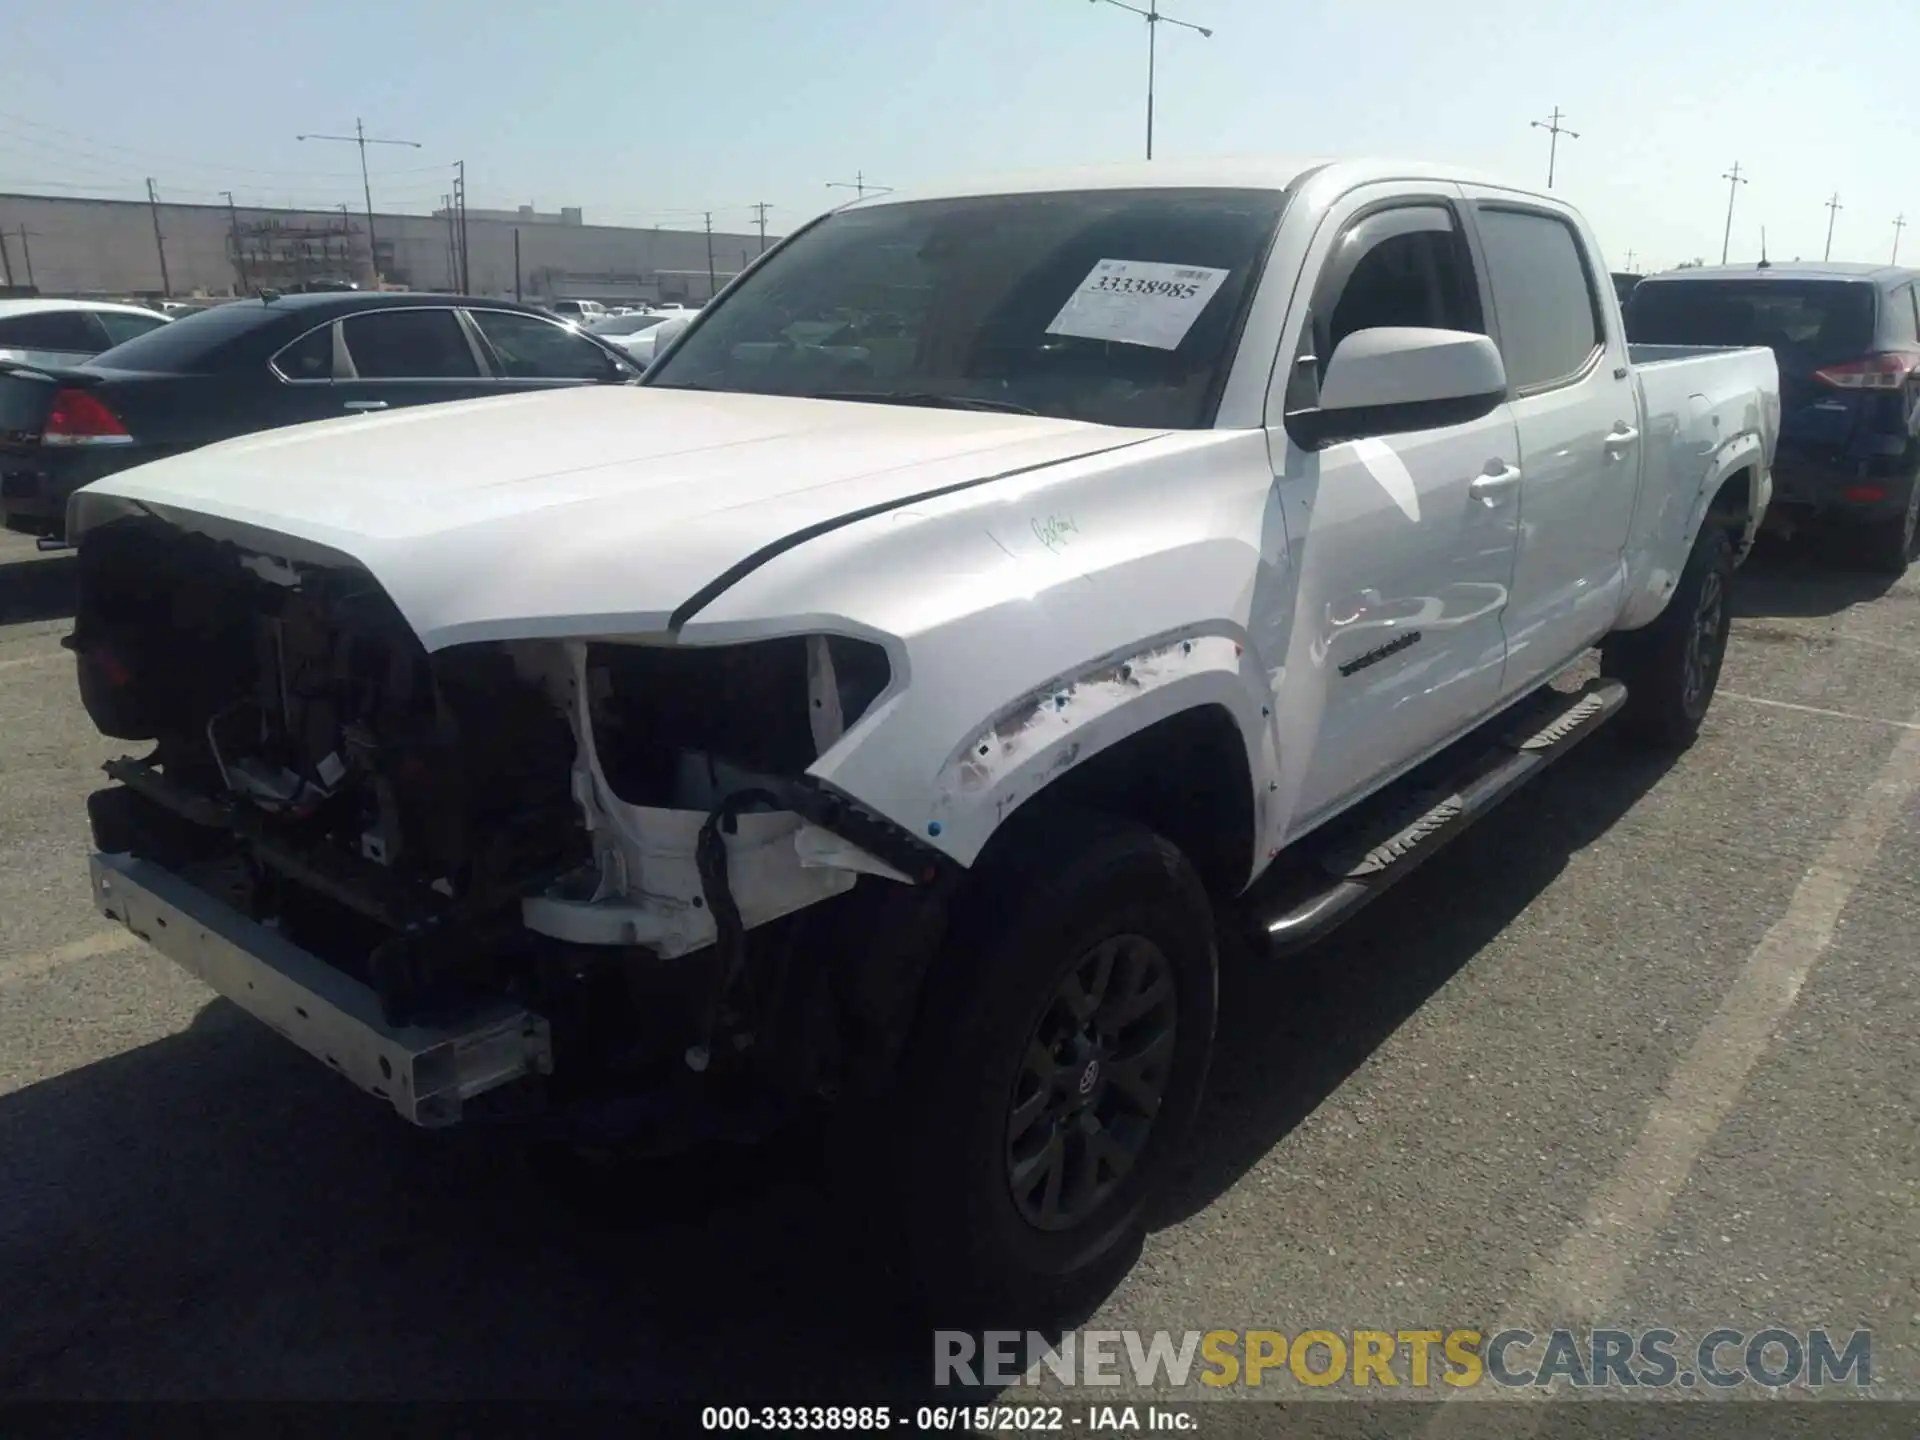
x=1402, y=544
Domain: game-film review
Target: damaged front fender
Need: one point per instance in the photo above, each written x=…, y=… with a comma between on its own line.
x=1056, y=727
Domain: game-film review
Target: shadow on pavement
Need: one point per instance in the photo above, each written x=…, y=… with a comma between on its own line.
x=1291, y=1031
x=1807, y=577
x=37, y=588
x=212, y=1216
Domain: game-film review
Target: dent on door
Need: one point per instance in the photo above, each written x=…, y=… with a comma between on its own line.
x=1403, y=574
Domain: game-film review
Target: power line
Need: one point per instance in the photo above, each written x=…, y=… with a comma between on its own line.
x=173, y=162
x=1554, y=129
x=1154, y=20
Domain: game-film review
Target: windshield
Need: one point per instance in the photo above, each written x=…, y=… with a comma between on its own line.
x=1805, y=322
x=1119, y=307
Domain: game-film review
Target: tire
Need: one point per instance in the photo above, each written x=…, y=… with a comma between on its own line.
x=1887, y=547
x=1672, y=666
x=1105, y=893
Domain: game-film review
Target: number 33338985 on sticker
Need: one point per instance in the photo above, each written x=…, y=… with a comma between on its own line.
x=1138, y=302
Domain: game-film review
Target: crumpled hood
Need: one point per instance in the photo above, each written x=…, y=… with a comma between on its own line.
x=597, y=509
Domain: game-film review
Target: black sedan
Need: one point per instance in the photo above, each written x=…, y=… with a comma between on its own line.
x=257, y=364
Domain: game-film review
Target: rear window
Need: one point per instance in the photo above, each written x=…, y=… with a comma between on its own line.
x=1810, y=321
x=188, y=343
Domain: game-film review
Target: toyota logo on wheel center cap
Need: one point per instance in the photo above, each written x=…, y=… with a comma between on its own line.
x=1089, y=1077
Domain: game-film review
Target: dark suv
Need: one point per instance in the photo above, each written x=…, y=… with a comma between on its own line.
x=1847, y=338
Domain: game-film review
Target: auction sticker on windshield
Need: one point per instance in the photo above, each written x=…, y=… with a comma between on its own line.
x=1138, y=302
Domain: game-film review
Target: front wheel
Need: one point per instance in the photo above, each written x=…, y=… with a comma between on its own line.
x=1065, y=1041
x=1671, y=667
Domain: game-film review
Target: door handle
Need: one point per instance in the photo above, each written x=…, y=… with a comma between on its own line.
x=1620, y=438
x=366, y=404
x=1493, y=483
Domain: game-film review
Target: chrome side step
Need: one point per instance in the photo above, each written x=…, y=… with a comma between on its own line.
x=1368, y=861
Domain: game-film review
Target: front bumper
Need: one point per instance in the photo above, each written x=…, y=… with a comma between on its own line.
x=425, y=1072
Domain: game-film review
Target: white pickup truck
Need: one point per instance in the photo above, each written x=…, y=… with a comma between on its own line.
x=884, y=712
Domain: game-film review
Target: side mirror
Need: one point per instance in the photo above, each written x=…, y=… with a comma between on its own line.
x=1393, y=379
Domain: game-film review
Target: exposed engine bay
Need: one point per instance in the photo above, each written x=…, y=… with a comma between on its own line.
x=619, y=835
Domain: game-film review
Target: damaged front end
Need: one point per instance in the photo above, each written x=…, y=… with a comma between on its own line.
x=613, y=843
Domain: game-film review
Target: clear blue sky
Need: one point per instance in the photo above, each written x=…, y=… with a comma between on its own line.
x=653, y=110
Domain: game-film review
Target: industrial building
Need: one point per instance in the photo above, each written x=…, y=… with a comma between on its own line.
x=83, y=247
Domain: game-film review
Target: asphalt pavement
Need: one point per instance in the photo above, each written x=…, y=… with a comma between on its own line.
x=1639, y=1050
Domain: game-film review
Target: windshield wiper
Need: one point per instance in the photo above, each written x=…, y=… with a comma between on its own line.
x=931, y=398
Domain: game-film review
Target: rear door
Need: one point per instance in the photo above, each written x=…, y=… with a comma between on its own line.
x=1578, y=416
x=419, y=355
x=527, y=352
x=1403, y=543
x=51, y=337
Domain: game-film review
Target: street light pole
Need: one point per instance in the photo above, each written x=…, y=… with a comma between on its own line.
x=362, y=139
x=1154, y=20
x=859, y=186
x=1833, y=211
x=1734, y=181
x=1555, y=129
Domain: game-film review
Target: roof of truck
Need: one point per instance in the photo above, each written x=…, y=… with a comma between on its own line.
x=1792, y=270
x=1255, y=172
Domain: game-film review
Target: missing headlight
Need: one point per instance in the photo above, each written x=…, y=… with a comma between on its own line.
x=672, y=720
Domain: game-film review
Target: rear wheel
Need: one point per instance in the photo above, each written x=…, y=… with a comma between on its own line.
x=1888, y=546
x=1065, y=1043
x=1671, y=667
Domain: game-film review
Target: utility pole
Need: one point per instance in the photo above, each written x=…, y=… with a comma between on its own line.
x=466, y=260
x=153, y=205
x=1629, y=262
x=713, y=285
x=6, y=260
x=1734, y=181
x=1155, y=20
x=1899, y=224
x=1833, y=212
x=859, y=186
x=1555, y=130
x=760, y=214
x=362, y=139
x=516, y=262
x=453, y=259
x=26, y=254
x=239, y=260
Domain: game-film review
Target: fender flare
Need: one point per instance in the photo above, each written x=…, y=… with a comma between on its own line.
x=1668, y=552
x=1013, y=757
